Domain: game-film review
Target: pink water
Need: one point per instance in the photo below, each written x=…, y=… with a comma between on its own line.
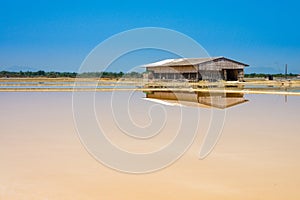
x=41, y=156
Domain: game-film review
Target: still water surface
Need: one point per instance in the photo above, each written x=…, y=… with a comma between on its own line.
x=256, y=157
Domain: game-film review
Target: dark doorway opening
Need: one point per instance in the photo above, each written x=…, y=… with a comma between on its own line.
x=232, y=75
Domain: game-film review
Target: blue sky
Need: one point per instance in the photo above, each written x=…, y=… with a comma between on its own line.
x=58, y=35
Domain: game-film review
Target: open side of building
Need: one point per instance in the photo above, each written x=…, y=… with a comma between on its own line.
x=196, y=69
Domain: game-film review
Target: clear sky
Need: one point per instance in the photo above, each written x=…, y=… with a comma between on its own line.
x=58, y=35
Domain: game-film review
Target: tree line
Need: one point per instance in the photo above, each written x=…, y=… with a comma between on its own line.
x=40, y=73
x=262, y=75
x=112, y=75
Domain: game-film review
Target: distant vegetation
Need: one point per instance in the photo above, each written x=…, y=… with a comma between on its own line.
x=260, y=75
x=30, y=74
x=113, y=75
x=40, y=73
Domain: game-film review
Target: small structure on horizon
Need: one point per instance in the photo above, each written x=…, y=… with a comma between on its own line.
x=196, y=69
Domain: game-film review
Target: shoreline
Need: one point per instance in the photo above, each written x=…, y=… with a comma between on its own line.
x=244, y=91
x=250, y=86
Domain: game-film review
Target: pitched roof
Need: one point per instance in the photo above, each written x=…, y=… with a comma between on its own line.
x=187, y=61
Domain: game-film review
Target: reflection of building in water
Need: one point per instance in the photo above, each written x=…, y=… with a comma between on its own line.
x=199, y=99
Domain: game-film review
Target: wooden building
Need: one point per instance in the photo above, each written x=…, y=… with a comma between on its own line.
x=196, y=69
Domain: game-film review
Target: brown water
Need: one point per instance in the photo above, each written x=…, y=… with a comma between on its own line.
x=41, y=156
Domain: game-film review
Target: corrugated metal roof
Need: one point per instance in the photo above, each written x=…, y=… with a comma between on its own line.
x=187, y=62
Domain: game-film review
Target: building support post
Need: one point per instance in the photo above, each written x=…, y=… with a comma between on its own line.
x=225, y=74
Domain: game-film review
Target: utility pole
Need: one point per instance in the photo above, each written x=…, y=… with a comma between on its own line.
x=286, y=70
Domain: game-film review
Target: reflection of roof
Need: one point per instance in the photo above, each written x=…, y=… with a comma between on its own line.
x=223, y=102
x=188, y=62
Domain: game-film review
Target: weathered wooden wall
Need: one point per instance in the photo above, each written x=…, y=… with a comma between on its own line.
x=219, y=65
x=175, y=69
